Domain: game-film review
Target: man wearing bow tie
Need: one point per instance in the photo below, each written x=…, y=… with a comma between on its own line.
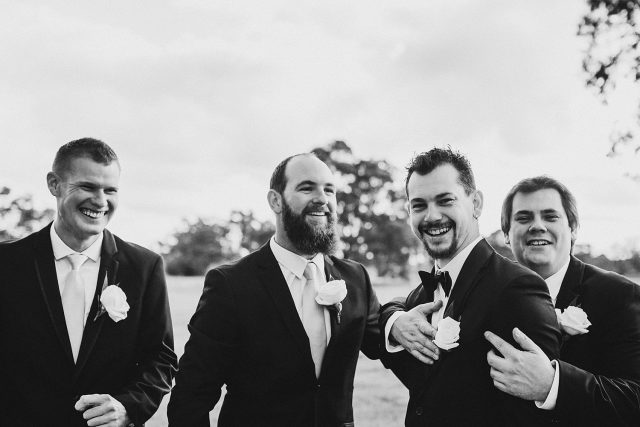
x=285, y=348
x=446, y=371
x=84, y=316
x=596, y=379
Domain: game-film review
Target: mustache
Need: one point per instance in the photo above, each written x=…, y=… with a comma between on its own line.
x=424, y=226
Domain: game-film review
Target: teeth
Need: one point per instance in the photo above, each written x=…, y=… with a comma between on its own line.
x=316, y=213
x=538, y=243
x=93, y=214
x=438, y=231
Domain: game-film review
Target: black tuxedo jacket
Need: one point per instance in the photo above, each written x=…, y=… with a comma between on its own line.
x=490, y=294
x=600, y=370
x=246, y=333
x=132, y=360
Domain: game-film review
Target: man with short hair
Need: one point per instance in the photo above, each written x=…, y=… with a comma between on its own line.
x=84, y=316
x=596, y=379
x=283, y=326
x=471, y=290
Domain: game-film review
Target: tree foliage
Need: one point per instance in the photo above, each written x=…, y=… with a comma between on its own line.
x=18, y=216
x=371, y=214
x=611, y=28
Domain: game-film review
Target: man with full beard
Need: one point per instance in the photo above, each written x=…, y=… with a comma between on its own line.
x=472, y=289
x=283, y=326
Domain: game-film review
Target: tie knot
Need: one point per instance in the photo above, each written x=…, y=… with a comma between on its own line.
x=76, y=260
x=310, y=270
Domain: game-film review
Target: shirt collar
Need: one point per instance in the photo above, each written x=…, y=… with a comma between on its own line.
x=61, y=250
x=455, y=265
x=555, y=281
x=294, y=262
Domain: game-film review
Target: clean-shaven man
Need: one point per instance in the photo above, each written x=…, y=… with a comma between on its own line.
x=596, y=379
x=473, y=289
x=84, y=316
x=283, y=326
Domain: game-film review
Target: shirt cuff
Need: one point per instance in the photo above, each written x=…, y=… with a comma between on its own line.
x=391, y=348
x=552, y=397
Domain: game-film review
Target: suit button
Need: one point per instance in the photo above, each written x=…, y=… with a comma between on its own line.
x=419, y=410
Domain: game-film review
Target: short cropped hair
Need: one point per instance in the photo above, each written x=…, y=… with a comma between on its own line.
x=530, y=185
x=278, y=178
x=425, y=163
x=91, y=148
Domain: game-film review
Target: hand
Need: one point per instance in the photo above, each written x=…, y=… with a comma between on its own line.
x=413, y=331
x=527, y=373
x=102, y=410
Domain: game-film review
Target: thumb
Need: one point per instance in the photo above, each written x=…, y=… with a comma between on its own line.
x=525, y=342
x=429, y=307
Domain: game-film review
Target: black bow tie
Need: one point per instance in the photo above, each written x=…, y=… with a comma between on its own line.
x=430, y=281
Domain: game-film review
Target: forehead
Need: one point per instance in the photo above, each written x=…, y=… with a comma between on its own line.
x=540, y=200
x=84, y=168
x=443, y=179
x=307, y=168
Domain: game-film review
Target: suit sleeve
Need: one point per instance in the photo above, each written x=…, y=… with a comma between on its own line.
x=404, y=366
x=611, y=397
x=157, y=361
x=525, y=303
x=371, y=339
x=208, y=356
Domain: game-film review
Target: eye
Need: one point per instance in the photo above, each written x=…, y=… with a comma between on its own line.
x=417, y=207
x=552, y=217
x=305, y=189
x=111, y=191
x=521, y=218
x=447, y=201
x=329, y=190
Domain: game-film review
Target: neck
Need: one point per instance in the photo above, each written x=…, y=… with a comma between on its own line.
x=73, y=241
x=282, y=240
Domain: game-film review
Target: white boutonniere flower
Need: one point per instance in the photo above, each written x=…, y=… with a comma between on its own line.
x=447, y=334
x=331, y=294
x=113, y=301
x=573, y=320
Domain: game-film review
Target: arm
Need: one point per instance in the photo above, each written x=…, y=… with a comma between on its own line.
x=371, y=339
x=156, y=362
x=612, y=395
x=208, y=356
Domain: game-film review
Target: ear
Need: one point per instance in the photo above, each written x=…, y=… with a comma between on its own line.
x=506, y=239
x=275, y=201
x=53, y=182
x=478, y=200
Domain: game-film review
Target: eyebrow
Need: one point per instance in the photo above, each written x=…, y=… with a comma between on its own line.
x=310, y=182
x=527, y=211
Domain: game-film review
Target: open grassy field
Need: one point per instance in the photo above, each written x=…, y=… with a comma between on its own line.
x=379, y=398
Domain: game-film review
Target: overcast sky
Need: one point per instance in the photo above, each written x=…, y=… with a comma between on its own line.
x=201, y=99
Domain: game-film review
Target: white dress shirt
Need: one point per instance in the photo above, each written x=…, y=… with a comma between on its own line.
x=554, y=282
x=453, y=268
x=88, y=270
x=292, y=266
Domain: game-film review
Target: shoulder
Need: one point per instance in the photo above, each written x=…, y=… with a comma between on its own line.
x=510, y=271
x=347, y=264
x=246, y=265
x=18, y=246
x=135, y=251
x=608, y=286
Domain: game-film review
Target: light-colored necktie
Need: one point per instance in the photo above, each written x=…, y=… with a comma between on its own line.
x=313, y=317
x=73, y=302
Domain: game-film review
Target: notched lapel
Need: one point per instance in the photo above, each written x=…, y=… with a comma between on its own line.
x=331, y=272
x=570, y=288
x=109, y=266
x=270, y=275
x=47, y=278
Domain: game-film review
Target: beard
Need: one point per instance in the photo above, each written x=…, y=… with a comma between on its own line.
x=306, y=238
x=439, y=251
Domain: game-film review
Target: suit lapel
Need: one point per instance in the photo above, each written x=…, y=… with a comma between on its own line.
x=109, y=265
x=467, y=280
x=46, y=272
x=331, y=273
x=270, y=276
x=570, y=288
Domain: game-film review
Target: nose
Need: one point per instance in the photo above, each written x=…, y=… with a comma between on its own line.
x=320, y=197
x=99, y=198
x=537, y=225
x=433, y=215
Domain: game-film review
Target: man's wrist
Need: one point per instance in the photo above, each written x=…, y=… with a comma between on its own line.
x=552, y=396
x=391, y=345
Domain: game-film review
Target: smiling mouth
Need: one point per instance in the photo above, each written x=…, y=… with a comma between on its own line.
x=436, y=231
x=92, y=214
x=538, y=242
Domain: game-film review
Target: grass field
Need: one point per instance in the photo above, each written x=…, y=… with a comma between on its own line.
x=379, y=398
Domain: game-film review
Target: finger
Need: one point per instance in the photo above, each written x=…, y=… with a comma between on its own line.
x=501, y=345
x=525, y=342
x=102, y=420
x=89, y=400
x=421, y=357
x=429, y=307
x=430, y=350
x=97, y=411
x=426, y=329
